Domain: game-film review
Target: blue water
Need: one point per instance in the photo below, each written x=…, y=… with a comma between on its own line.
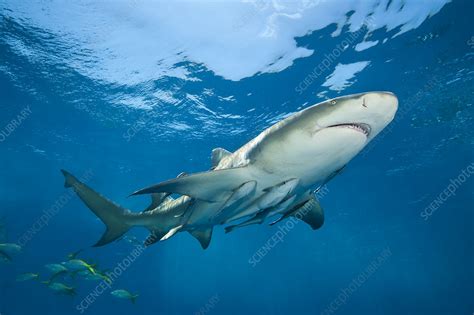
x=380, y=250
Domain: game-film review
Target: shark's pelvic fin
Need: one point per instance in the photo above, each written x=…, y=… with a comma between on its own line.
x=217, y=155
x=206, y=186
x=113, y=216
x=203, y=236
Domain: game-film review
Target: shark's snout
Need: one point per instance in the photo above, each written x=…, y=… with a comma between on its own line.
x=381, y=109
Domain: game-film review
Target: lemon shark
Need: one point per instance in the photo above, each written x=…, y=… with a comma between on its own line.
x=273, y=175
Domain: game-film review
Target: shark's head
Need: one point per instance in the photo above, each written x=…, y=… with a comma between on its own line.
x=326, y=136
x=364, y=114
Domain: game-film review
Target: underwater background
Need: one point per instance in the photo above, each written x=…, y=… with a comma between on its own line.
x=130, y=93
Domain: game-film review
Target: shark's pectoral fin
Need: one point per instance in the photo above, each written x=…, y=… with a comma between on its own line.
x=203, y=236
x=311, y=213
x=217, y=155
x=290, y=212
x=206, y=186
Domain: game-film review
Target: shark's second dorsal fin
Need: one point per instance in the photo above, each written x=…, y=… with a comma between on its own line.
x=203, y=236
x=217, y=155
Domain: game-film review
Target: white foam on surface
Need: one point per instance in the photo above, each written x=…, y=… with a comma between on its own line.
x=340, y=78
x=131, y=42
x=365, y=45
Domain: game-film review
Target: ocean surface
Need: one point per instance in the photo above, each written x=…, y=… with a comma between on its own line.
x=126, y=94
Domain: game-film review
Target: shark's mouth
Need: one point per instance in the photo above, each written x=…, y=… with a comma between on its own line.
x=363, y=128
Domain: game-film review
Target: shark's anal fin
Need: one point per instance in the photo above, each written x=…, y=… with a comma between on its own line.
x=203, y=236
x=217, y=155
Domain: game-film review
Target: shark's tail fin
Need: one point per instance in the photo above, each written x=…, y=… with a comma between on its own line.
x=113, y=216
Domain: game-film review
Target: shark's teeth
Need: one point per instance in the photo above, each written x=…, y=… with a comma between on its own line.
x=363, y=128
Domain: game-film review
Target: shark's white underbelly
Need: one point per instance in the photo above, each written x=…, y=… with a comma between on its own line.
x=308, y=158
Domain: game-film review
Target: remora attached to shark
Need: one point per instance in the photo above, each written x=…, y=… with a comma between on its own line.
x=274, y=174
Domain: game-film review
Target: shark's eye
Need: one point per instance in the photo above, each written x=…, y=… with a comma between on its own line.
x=333, y=102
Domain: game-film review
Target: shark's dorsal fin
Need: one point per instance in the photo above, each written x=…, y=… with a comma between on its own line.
x=217, y=155
x=203, y=236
